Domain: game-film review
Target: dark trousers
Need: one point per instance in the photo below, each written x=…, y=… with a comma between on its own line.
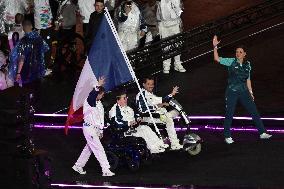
x=32, y=89
x=85, y=29
x=246, y=100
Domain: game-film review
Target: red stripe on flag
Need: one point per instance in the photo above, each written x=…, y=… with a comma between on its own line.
x=73, y=117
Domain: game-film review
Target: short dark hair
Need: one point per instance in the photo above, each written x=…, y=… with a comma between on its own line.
x=241, y=47
x=17, y=17
x=27, y=22
x=147, y=78
x=101, y=89
x=100, y=1
x=119, y=93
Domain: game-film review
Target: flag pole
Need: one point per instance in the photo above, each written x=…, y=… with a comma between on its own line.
x=109, y=20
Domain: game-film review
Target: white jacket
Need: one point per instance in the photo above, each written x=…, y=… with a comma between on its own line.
x=133, y=22
x=169, y=11
x=94, y=115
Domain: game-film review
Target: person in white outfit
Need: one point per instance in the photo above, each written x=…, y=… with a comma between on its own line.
x=168, y=15
x=157, y=105
x=123, y=116
x=93, y=131
x=131, y=27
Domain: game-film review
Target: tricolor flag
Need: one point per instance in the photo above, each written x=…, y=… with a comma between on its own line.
x=106, y=58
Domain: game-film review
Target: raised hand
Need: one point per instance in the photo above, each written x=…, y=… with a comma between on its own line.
x=215, y=41
x=175, y=90
x=101, y=81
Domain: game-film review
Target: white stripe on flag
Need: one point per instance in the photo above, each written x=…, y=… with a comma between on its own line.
x=87, y=81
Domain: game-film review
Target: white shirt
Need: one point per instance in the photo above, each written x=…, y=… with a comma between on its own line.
x=42, y=14
x=132, y=24
x=169, y=11
x=127, y=113
x=94, y=115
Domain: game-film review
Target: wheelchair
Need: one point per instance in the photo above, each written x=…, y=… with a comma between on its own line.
x=122, y=149
x=191, y=141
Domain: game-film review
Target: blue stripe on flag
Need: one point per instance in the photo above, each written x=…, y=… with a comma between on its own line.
x=106, y=59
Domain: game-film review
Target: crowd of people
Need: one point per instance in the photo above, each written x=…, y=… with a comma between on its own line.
x=138, y=23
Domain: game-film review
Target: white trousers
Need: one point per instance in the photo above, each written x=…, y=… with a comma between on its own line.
x=129, y=39
x=93, y=145
x=166, y=31
x=167, y=118
x=153, y=142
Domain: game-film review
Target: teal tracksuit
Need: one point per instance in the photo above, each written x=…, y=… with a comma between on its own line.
x=237, y=90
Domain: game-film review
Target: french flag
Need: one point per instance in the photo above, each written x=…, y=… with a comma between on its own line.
x=106, y=58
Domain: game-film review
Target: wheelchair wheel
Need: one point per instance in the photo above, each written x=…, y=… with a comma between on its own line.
x=133, y=165
x=192, y=148
x=148, y=158
x=112, y=159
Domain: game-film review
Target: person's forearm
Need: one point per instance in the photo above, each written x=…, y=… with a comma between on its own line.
x=216, y=55
x=20, y=66
x=249, y=86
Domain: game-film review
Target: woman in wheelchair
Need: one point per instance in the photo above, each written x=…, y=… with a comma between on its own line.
x=123, y=116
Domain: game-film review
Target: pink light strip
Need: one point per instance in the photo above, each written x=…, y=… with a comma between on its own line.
x=101, y=186
x=190, y=117
x=177, y=128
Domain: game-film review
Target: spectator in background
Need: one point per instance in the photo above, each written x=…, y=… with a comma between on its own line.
x=43, y=23
x=168, y=14
x=12, y=7
x=86, y=8
x=27, y=66
x=94, y=22
x=17, y=31
x=131, y=25
x=5, y=82
x=67, y=18
x=149, y=12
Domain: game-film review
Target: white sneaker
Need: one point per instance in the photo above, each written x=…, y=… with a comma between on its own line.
x=176, y=146
x=156, y=151
x=265, y=136
x=179, y=68
x=79, y=170
x=108, y=173
x=164, y=146
x=229, y=140
x=166, y=71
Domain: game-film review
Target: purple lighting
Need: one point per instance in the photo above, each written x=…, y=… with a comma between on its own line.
x=190, y=117
x=195, y=128
x=101, y=186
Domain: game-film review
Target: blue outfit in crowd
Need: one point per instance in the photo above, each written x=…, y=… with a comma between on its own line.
x=32, y=48
x=237, y=90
